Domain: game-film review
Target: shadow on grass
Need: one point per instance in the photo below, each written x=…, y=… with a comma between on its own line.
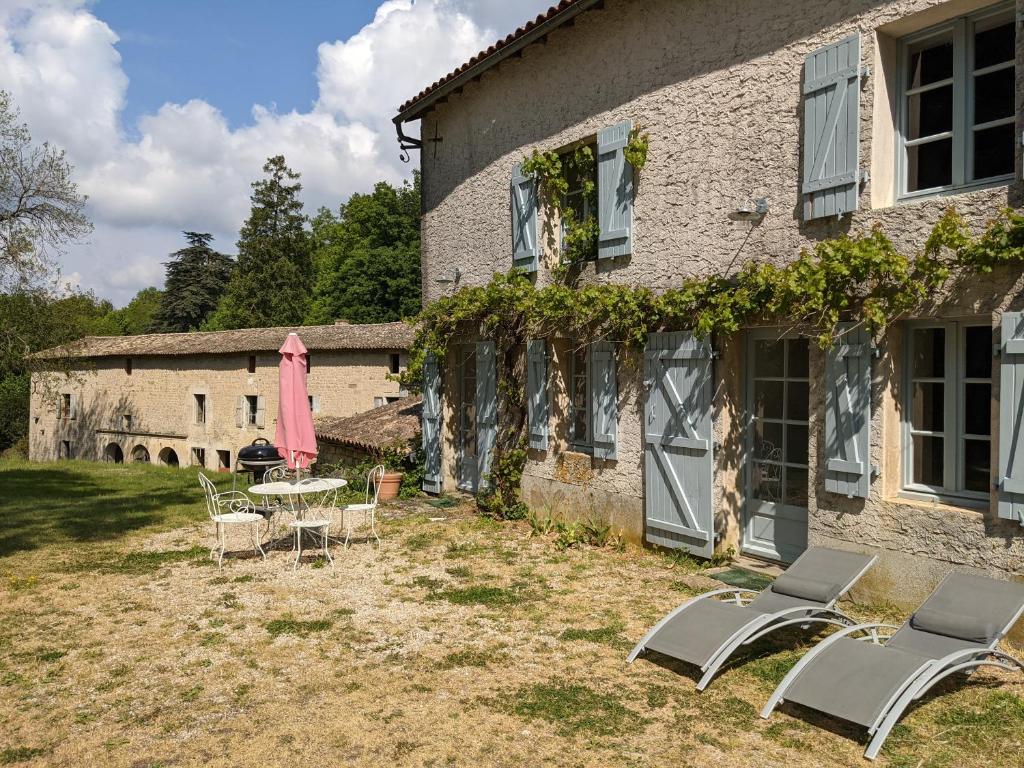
x=82, y=502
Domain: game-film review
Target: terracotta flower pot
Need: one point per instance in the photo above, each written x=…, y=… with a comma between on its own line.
x=389, y=485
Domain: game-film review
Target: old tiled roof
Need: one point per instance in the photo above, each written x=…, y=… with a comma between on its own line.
x=388, y=426
x=395, y=336
x=555, y=16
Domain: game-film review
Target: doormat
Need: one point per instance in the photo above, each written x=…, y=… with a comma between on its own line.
x=742, y=578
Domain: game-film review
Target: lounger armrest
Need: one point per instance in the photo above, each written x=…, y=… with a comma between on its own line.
x=736, y=591
x=779, y=693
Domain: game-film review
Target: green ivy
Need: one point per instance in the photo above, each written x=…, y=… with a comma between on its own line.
x=636, y=148
x=863, y=278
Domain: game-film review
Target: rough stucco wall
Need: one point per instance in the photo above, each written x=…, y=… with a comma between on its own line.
x=717, y=85
x=159, y=396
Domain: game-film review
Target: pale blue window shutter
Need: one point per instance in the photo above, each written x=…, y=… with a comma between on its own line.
x=486, y=407
x=431, y=425
x=1011, y=413
x=679, y=442
x=604, y=396
x=848, y=412
x=525, y=248
x=831, y=148
x=537, y=393
x=614, y=192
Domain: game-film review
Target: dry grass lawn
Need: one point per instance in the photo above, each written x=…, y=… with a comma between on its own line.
x=461, y=642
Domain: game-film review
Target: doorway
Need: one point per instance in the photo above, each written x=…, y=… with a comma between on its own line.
x=777, y=473
x=466, y=438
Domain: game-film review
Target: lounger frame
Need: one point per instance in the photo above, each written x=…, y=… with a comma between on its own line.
x=914, y=686
x=758, y=626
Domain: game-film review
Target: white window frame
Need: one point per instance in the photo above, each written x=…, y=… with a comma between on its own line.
x=584, y=443
x=954, y=415
x=961, y=30
x=252, y=410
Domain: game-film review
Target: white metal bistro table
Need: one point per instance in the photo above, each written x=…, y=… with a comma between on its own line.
x=295, y=493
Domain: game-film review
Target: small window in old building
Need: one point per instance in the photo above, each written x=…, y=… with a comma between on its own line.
x=126, y=422
x=392, y=398
x=580, y=400
x=65, y=449
x=198, y=457
x=200, y=403
x=252, y=363
x=128, y=366
x=224, y=460
x=309, y=362
x=579, y=206
x=957, y=103
x=64, y=411
x=252, y=405
x=948, y=414
x=396, y=362
x=378, y=402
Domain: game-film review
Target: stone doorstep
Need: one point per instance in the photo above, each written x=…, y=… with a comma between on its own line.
x=762, y=567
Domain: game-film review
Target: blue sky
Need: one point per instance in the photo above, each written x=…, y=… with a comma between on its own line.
x=168, y=108
x=231, y=53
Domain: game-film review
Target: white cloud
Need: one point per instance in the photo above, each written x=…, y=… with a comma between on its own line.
x=188, y=169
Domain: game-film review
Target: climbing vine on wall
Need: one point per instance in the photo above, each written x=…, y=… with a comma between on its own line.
x=863, y=278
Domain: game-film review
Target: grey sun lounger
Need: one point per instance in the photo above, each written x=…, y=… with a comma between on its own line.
x=706, y=630
x=872, y=679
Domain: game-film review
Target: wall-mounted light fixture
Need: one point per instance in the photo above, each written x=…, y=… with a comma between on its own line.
x=456, y=274
x=751, y=211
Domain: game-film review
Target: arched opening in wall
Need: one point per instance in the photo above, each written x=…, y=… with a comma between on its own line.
x=113, y=454
x=140, y=454
x=168, y=457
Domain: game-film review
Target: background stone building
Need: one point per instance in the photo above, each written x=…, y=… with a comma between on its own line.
x=772, y=127
x=196, y=398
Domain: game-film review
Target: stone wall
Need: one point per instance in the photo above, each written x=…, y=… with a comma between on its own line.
x=717, y=86
x=159, y=396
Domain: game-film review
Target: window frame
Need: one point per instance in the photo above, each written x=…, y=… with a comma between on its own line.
x=198, y=456
x=960, y=30
x=576, y=443
x=578, y=193
x=199, y=401
x=65, y=409
x=954, y=381
x=395, y=363
x=252, y=408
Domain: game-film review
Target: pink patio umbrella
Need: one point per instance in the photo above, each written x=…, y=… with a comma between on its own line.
x=295, y=439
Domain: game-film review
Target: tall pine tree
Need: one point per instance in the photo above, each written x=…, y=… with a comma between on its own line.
x=272, y=284
x=197, y=277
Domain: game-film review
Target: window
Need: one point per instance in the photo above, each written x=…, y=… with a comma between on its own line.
x=224, y=461
x=309, y=362
x=957, y=103
x=252, y=363
x=252, y=404
x=580, y=202
x=64, y=409
x=947, y=445
x=392, y=398
x=200, y=409
x=378, y=402
x=198, y=457
x=128, y=366
x=126, y=422
x=65, y=449
x=579, y=400
x=396, y=362
x=314, y=403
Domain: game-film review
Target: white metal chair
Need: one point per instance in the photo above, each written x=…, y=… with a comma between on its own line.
x=230, y=508
x=314, y=520
x=367, y=509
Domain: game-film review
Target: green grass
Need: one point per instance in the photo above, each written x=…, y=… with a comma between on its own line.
x=12, y=755
x=89, y=504
x=289, y=625
x=573, y=709
x=605, y=635
x=482, y=595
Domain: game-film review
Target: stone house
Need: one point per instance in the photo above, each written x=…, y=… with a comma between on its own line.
x=196, y=398
x=772, y=127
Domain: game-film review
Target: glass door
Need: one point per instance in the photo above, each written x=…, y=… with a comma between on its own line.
x=775, y=516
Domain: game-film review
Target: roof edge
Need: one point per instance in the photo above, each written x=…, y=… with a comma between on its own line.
x=419, y=105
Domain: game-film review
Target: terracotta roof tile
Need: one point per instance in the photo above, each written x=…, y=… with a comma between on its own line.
x=497, y=47
x=375, y=336
x=389, y=426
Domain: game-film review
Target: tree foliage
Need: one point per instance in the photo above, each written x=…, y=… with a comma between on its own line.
x=272, y=283
x=196, y=278
x=138, y=316
x=368, y=257
x=41, y=209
